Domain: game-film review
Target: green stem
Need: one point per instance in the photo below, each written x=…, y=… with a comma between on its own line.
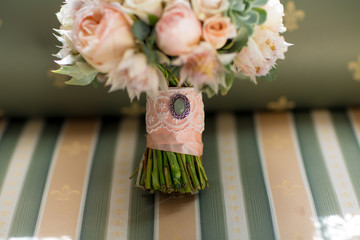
x=167, y=172
x=155, y=172
x=160, y=165
x=143, y=173
x=202, y=170
x=148, y=171
x=191, y=169
x=175, y=169
x=184, y=176
x=136, y=171
x=202, y=181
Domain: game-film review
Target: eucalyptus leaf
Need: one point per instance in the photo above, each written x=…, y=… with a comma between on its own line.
x=152, y=19
x=151, y=55
x=272, y=75
x=208, y=91
x=238, y=43
x=140, y=30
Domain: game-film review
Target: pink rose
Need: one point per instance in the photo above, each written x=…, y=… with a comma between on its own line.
x=102, y=33
x=217, y=30
x=178, y=31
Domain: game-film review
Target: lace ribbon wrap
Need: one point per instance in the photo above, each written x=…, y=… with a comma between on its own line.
x=168, y=133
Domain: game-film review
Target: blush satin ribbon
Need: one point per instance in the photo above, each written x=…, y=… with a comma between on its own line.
x=167, y=133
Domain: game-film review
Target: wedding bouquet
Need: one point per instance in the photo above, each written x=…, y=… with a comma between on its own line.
x=172, y=51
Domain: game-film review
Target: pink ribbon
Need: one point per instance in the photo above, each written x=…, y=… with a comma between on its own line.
x=166, y=132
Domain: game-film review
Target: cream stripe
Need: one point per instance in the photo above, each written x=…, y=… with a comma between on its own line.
x=335, y=162
x=176, y=218
x=120, y=189
x=64, y=196
x=197, y=218
x=354, y=115
x=291, y=202
x=237, y=226
x=266, y=177
x=3, y=124
x=16, y=173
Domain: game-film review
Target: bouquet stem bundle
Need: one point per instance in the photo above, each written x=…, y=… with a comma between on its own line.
x=170, y=172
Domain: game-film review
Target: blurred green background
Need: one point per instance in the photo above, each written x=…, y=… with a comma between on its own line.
x=319, y=70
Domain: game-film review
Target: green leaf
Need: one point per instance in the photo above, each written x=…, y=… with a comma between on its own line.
x=229, y=79
x=82, y=73
x=152, y=19
x=140, y=30
x=151, y=55
x=272, y=75
x=238, y=43
x=208, y=91
x=262, y=15
x=95, y=83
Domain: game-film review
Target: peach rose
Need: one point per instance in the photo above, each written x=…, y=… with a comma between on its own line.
x=217, y=30
x=178, y=31
x=102, y=33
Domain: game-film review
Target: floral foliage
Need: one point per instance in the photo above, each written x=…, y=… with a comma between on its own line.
x=148, y=45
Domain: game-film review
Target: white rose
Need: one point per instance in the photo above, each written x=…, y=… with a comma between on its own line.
x=207, y=8
x=142, y=8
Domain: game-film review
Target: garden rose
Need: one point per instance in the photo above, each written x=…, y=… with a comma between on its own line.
x=134, y=73
x=217, y=30
x=102, y=33
x=142, y=8
x=207, y=8
x=178, y=31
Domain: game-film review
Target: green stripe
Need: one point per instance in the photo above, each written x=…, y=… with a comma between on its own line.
x=8, y=143
x=27, y=210
x=141, y=215
x=212, y=209
x=254, y=189
x=323, y=192
x=98, y=193
x=349, y=147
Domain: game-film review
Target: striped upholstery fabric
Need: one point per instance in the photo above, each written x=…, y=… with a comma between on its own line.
x=287, y=176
